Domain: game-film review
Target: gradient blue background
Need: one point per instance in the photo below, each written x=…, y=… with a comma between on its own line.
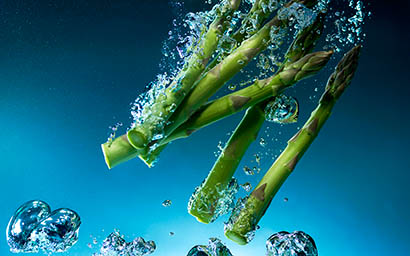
x=69, y=69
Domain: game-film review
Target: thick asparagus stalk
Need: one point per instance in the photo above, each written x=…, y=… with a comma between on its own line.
x=217, y=77
x=244, y=222
x=240, y=100
x=206, y=197
x=204, y=201
x=260, y=11
x=253, y=94
x=160, y=111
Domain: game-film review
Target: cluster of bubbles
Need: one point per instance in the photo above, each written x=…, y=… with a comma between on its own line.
x=283, y=243
x=348, y=26
x=34, y=227
x=241, y=207
x=214, y=248
x=115, y=245
x=297, y=243
x=283, y=109
x=225, y=199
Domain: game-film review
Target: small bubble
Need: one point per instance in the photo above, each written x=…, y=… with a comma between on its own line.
x=285, y=199
x=248, y=171
x=167, y=203
x=247, y=186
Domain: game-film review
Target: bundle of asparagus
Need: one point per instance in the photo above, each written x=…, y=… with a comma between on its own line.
x=243, y=221
x=183, y=107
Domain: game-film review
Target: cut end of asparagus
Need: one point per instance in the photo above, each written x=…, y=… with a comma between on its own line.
x=137, y=139
x=201, y=216
x=118, y=151
x=236, y=237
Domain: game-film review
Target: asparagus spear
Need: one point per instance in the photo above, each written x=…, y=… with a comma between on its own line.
x=260, y=11
x=237, y=101
x=260, y=89
x=217, y=77
x=243, y=223
x=204, y=201
x=164, y=105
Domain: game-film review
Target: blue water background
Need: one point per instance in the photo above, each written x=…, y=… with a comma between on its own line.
x=69, y=69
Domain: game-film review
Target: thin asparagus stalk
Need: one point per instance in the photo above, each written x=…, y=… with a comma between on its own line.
x=253, y=94
x=164, y=106
x=204, y=201
x=121, y=150
x=216, y=78
x=237, y=101
x=243, y=223
x=257, y=15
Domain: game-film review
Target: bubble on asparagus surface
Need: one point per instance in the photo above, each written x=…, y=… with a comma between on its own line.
x=215, y=247
x=248, y=171
x=247, y=186
x=283, y=109
x=247, y=210
x=166, y=203
x=115, y=245
x=34, y=227
x=217, y=200
x=297, y=243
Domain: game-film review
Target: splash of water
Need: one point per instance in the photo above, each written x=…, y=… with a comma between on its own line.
x=115, y=245
x=215, y=247
x=297, y=243
x=34, y=227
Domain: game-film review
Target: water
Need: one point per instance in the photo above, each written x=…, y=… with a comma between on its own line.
x=297, y=243
x=115, y=245
x=70, y=69
x=34, y=227
x=214, y=248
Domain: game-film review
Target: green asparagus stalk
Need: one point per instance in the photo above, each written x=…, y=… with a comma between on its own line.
x=240, y=100
x=257, y=15
x=244, y=222
x=164, y=106
x=204, y=201
x=253, y=94
x=216, y=78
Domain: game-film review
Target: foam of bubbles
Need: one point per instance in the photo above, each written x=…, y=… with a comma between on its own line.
x=115, y=245
x=225, y=199
x=34, y=227
x=214, y=248
x=297, y=243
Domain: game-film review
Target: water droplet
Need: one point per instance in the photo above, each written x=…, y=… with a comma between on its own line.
x=215, y=247
x=167, y=203
x=297, y=243
x=171, y=233
x=33, y=227
x=282, y=110
x=241, y=62
x=262, y=142
x=232, y=87
x=248, y=171
x=115, y=245
x=247, y=186
x=23, y=222
x=285, y=199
